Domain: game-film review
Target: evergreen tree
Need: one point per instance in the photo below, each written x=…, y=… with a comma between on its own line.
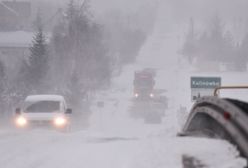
x=3, y=87
x=214, y=45
x=71, y=11
x=2, y=72
x=37, y=64
x=229, y=49
x=216, y=28
x=189, y=47
x=216, y=40
x=244, y=48
x=2, y=78
x=242, y=55
x=37, y=23
x=38, y=60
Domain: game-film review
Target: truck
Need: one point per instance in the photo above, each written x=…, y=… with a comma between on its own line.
x=148, y=103
x=144, y=83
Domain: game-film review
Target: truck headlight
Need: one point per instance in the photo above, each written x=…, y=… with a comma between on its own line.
x=60, y=121
x=21, y=121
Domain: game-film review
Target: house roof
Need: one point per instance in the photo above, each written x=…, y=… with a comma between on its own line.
x=16, y=39
x=21, y=39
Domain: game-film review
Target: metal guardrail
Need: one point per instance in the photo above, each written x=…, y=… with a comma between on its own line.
x=226, y=114
x=216, y=91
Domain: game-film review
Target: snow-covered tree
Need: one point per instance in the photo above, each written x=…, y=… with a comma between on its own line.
x=2, y=82
x=38, y=60
x=34, y=69
x=78, y=45
x=242, y=54
x=214, y=44
x=190, y=45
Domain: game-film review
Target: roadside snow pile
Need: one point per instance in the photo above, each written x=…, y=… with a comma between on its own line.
x=211, y=153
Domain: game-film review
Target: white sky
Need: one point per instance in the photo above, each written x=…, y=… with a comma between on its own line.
x=179, y=7
x=125, y=6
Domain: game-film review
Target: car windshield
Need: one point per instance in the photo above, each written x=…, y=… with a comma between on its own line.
x=42, y=106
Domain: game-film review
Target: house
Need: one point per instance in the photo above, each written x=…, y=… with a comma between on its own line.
x=14, y=47
x=15, y=15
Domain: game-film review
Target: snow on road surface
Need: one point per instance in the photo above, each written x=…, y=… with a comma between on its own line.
x=123, y=145
x=45, y=149
x=115, y=140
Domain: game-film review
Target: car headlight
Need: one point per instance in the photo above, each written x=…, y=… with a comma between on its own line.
x=21, y=121
x=152, y=95
x=60, y=121
x=136, y=95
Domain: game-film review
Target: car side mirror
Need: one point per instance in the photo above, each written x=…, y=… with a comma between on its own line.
x=68, y=111
x=18, y=111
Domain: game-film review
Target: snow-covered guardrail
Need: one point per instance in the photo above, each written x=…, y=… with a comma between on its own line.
x=222, y=118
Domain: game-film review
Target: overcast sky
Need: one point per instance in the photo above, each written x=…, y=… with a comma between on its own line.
x=179, y=10
x=228, y=8
x=179, y=7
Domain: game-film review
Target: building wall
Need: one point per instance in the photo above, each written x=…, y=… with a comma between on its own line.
x=12, y=58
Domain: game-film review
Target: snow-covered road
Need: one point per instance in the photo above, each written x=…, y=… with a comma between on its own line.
x=114, y=140
x=92, y=149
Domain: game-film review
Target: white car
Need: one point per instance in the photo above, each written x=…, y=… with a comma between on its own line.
x=43, y=110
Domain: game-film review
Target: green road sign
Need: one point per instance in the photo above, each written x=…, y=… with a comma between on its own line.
x=205, y=82
x=203, y=86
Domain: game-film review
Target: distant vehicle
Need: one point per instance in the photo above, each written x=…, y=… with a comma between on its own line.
x=43, y=110
x=144, y=84
x=148, y=103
